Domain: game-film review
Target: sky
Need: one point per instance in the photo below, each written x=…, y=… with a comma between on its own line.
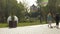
x=29, y=2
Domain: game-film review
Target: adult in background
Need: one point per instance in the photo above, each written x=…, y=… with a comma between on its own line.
x=49, y=20
x=57, y=20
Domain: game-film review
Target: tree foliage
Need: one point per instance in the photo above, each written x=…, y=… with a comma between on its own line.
x=9, y=7
x=53, y=6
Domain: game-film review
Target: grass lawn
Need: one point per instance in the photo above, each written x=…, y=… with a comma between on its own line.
x=28, y=23
x=46, y=0
x=3, y=25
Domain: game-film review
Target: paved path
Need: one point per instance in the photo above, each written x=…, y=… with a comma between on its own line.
x=36, y=29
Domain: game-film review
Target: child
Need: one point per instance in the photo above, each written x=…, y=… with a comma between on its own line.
x=49, y=20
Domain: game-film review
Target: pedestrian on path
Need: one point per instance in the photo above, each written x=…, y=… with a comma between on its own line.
x=57, y=20
x=49, y=20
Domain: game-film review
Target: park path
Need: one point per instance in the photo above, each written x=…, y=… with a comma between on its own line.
x=35, y=29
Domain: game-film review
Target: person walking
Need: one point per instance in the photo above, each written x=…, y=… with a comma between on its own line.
x=57, y=20
x=49, y=20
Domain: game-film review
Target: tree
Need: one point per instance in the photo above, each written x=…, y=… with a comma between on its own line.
x=40, y=6
x=20, y=11
x=8, y=7
x=53, y=6
x=2, y=10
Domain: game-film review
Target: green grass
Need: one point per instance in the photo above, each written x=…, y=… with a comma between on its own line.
x=3, y=25
x=28, y=24
x=45, y=0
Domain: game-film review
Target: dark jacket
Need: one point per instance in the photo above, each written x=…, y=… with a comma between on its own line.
x=57, y=17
